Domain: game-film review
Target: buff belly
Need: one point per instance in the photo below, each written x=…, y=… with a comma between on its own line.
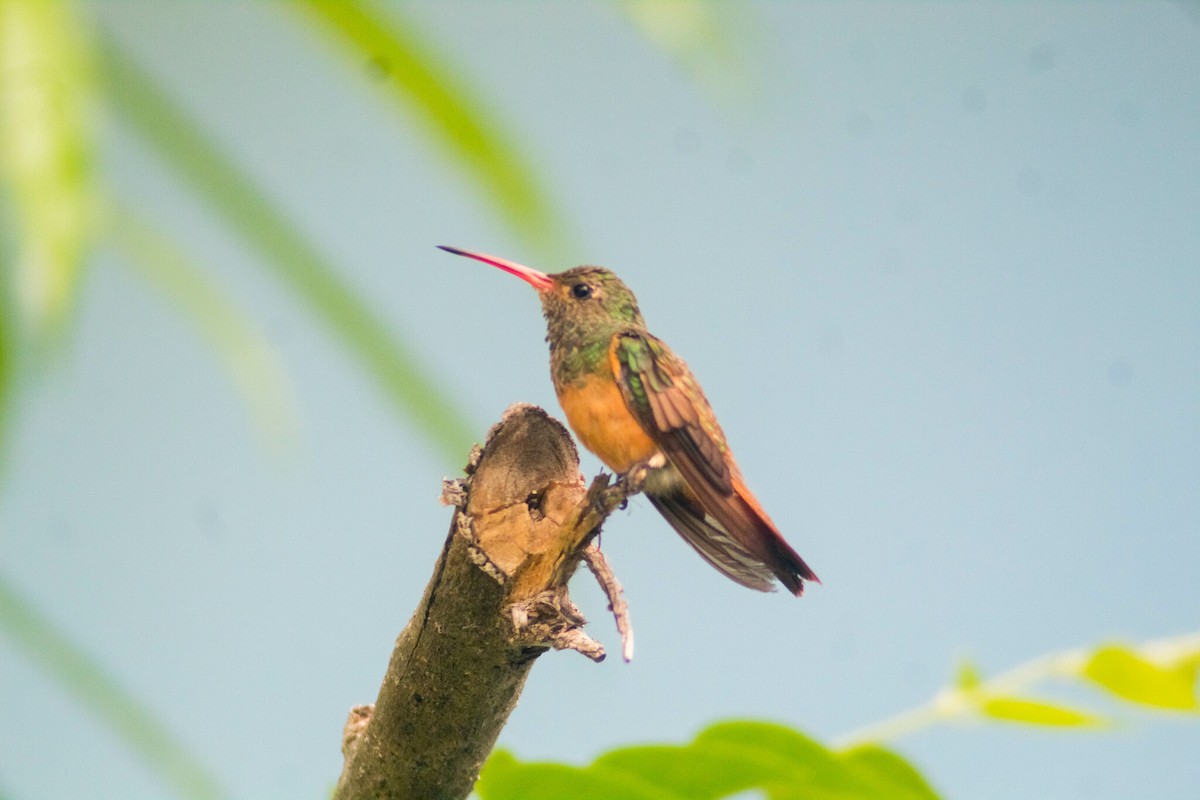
x=597, y=413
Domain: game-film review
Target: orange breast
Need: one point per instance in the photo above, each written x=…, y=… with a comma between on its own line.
x=598, y=415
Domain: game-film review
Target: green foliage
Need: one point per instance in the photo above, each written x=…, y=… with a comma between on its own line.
x=972, y=693
x=75, y=671
x=50, y=202
x=783, y=764
x=722, y=760
x=1158, y=676
x=419, y=81
x=243, y=348
x=202, y=165
x=47, y=147
x=699, y=37
x=968, y=677
x=888, y=769
x=46, y=157
x=7, y=373
x=47, y=142
x=1130, y=676
x=1035, y=712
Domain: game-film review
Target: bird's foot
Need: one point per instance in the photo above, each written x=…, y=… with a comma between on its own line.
x=634, y=478
x=607, y=497
x=630, y=483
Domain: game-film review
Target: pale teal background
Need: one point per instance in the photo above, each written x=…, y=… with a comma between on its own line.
x=937, y=267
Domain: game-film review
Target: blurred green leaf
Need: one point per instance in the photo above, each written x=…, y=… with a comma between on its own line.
x=778, y=758
x=244, y=350
x=1160, y=673
x=723, y=760
x=700, y=771
x=87, y=681
x=8, y=370
x=46, y=142
x=418, y=81
x=889, y=771
x=296, y=261
x=505, y=778
x=1129, y=676
x=813, y=771
x=967, y=678
x=697, y=35
x=1036, y=712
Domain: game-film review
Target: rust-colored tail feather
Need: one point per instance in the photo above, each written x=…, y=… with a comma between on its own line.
x=767, y=542
x=734, y=535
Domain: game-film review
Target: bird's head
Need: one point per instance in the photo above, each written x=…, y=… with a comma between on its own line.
x=581, y=298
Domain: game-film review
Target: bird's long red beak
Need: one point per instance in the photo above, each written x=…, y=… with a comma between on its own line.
x=538, y=280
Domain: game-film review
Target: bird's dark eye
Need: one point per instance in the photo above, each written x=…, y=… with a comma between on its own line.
x=581, y=291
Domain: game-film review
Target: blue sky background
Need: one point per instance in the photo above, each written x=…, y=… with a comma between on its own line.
x=936, y=265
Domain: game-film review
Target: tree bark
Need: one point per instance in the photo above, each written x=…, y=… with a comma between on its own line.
x=496, y=601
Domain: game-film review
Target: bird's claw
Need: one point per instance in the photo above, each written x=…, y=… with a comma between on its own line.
x=616, y=494
x=633, y=480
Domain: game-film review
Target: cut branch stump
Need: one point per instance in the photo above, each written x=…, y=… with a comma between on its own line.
x=523, y=521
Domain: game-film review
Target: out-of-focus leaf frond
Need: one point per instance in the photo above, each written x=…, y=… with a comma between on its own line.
x=8, y=368
x=94, y=689
x=723, y=760
x=1037, y=712
x=1158, y=676
x=418, y=82
x=295, y=260
x=46, y=159
x=1166, y=683
x=244, y=350
x=698, y=35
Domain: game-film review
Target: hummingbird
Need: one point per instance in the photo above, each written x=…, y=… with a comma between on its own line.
x=637, y=406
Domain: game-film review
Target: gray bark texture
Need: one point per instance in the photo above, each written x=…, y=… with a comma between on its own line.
x=497, y=600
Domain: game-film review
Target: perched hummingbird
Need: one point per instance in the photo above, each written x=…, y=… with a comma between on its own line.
x=634, y=403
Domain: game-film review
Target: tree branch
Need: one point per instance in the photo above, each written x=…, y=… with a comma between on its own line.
x=497, y=600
